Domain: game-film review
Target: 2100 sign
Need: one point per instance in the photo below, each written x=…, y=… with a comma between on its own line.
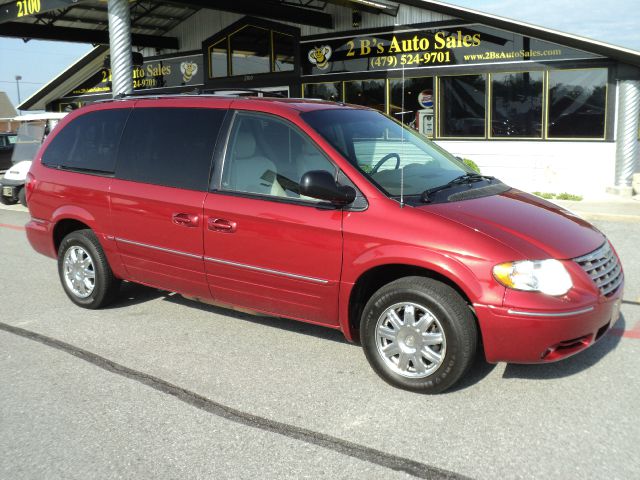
x=27, y=7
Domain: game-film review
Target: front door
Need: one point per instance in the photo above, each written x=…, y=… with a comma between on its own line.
x=265, y=247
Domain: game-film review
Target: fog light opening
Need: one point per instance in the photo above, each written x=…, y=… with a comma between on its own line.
x=566, y=348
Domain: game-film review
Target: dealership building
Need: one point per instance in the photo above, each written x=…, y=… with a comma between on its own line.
x=540, y=109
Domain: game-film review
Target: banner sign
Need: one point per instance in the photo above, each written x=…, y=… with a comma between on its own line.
x=25, y=8
x=153, y=73
x=463, y=45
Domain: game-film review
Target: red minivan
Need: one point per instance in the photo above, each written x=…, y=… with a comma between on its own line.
x=327, y=213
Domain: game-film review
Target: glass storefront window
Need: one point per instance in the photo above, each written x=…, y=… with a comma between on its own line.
x=462, y=106
x=218, y=59
x=516, y=104
x=370, y=93
x=250, y=51
x=283, y=52
x=331, y=91
x=577, y=103
x=416, y=107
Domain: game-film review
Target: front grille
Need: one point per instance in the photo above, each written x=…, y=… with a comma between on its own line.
x=604, y=268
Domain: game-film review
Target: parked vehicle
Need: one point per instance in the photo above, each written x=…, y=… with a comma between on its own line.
x=32, y=131
x=326, y=213
x=7, y=141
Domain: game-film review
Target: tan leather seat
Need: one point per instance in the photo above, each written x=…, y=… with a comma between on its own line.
x=251, y=172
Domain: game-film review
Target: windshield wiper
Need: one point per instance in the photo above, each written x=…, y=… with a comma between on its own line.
x=466, y=178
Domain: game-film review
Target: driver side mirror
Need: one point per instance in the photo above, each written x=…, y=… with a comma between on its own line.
x=322, y=185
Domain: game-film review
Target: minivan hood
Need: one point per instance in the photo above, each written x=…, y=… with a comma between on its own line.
x=537, y=229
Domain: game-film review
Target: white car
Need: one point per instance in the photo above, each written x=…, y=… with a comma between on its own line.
x=32, y=131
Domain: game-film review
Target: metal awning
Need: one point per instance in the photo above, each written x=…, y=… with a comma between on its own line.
x=86, y=21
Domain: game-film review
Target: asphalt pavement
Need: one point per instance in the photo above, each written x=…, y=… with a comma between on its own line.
x=162, y=387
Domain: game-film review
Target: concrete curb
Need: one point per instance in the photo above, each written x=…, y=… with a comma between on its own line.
x=14, y=208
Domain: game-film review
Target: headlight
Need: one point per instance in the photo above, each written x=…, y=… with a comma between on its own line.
x=545, y=276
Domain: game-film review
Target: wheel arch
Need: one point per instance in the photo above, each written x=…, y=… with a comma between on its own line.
x=69, y=218
x=64, y=227
x=376, y=277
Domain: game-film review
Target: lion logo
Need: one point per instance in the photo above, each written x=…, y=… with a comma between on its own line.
x=188, y=69
x=320, y=56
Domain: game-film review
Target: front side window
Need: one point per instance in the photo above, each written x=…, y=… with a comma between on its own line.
x=394, y=157
x=268, y=156
x=577, y=103
x=462, y=106
x=89, y=143
x=172, y=147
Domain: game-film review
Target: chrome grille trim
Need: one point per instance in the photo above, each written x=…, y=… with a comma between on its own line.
x=603, y=267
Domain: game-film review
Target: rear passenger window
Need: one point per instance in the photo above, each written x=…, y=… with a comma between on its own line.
x=169, y=146
x=89, y=143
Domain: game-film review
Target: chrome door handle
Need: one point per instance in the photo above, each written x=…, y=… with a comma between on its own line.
x=221, y=225
x=185, y=219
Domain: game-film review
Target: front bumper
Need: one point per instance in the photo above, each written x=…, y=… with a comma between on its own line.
x=517, y=335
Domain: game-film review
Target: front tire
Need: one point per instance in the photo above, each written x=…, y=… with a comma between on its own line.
x=419, y=334
x=85, y=274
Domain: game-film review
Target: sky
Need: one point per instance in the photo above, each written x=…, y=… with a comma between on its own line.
x=611, y=21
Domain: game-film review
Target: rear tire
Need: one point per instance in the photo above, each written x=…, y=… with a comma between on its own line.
x=22, y=196
x=419, y=334
x=85, y=274
x=6, y=200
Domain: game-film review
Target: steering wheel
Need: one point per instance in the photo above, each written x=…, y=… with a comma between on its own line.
x=384, y=159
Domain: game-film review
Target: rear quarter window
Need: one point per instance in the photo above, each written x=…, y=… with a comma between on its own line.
x=172, y=147
x=88, y=143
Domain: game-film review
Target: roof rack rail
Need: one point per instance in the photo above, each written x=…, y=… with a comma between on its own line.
x=195, y=91
x=135, y=95
x=240, y=90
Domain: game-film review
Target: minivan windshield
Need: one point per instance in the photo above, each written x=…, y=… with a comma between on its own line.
x=389, y=153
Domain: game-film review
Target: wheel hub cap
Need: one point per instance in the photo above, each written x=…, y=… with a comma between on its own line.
x=410, y=340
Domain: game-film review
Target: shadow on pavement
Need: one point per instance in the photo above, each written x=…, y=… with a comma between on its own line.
x=273, y=322
x=477, y=372
x=134, y=294
x=572, y=365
